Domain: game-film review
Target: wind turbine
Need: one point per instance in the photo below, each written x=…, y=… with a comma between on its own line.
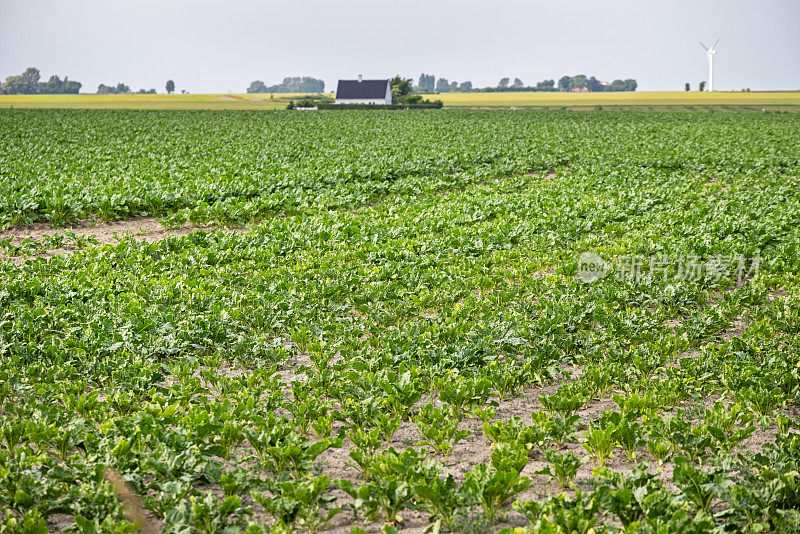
x=710, y=52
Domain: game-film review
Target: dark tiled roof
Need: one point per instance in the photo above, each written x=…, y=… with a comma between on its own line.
x=362, y=89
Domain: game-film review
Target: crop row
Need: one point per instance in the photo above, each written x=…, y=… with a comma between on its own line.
x=63, y=166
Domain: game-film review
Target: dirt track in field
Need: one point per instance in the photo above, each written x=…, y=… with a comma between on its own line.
x=105, y=232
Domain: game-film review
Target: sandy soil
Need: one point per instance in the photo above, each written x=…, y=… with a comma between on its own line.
x=105, y=232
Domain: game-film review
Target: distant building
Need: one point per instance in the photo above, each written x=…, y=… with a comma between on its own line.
x=583, y=89
x=362, y=91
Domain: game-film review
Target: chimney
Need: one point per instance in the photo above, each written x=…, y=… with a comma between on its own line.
x=359, y=78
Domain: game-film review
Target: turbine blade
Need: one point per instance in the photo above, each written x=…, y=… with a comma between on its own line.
x=704, y=46
x=715, y=44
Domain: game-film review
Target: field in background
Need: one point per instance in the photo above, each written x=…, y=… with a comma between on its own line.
x=772, y=101
x=137, y=101
x=623, y=99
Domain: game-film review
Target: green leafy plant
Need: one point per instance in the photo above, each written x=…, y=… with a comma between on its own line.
x=492, y=488
x=562, y=404
x=300, y=503
x=659, y=449
x=629, y=435
x=440, y=431
x=599, y=442
x=440, y=498
x=562, y=468
x=700, y=487
x=207, y=516
x=387, y=497
x=464, y=394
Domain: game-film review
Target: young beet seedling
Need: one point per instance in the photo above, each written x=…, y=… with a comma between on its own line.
x=440, y=498
x=439, y=428
x=299, y=503
x=599, y=443
x=562, y=468
x=492, y=488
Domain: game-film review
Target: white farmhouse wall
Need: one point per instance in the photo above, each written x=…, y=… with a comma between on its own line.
x=377, y=101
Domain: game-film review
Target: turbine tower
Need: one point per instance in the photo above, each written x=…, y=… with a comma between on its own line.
x=710, y=52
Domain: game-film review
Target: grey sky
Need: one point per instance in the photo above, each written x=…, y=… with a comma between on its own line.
x=216, y=46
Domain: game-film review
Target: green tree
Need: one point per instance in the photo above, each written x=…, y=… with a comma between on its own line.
x=517, y=84
x=616, y=85
x=306, y=84
x=546, y=85
x=31, y=77
x=401, y=88
x=465, y=86
x=120, y=88
x=630, y=84
x=442, y=85
x=595, y=85
x=170, y=87
x=71, y=87
x=686, y=87
x=564, y=83
x=401, y=85
x=702, y=86
x=53, y=86
x=503, y=83
x=427, y=82
x=25, y=84
x=578, y=82
x=257, y=87
x=15, y=85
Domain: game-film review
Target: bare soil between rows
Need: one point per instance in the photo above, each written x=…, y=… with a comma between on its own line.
x=147, y=229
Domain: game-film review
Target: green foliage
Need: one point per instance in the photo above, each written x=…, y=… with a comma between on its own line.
x=299, y=503
x=439, y=429
x=562, y=404
x=492, y=488
x=700, y=487
x=513, y=431
x=440, y=498
x=562, y=468
x=208, y=516
x=387, y=497
x=463, y=394
x=599, y=442
x=303, y=84
x=401, y=259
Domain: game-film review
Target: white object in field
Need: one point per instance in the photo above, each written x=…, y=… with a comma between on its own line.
x=710, y=52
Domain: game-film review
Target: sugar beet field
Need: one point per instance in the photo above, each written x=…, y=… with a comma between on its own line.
x=453, y=321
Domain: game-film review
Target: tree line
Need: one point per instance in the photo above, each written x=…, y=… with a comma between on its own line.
x=28, y=83
x=121, y=89
x=306, y=84
x=429, y=83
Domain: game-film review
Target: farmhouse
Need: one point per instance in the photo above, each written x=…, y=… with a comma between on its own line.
x=362, y=91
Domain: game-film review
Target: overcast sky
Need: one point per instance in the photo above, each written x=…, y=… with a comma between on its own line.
x=221, y=46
